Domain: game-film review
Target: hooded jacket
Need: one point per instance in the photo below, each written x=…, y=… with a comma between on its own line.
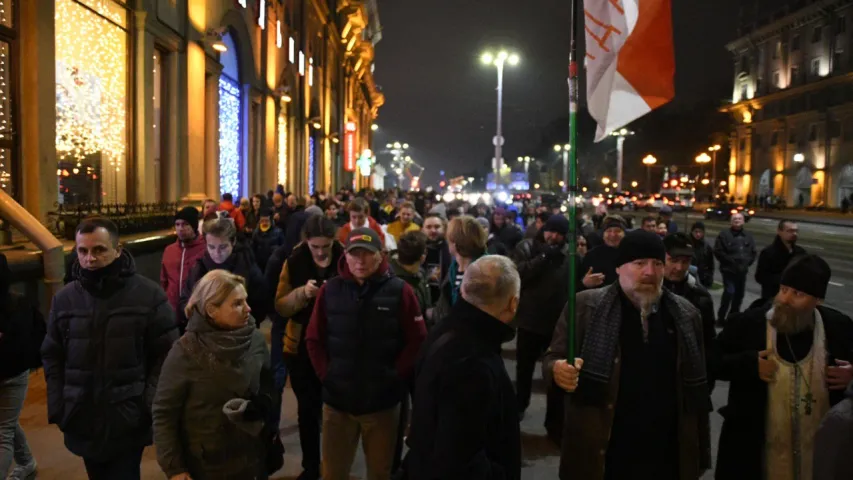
x=834, y=442
x=107, y=335
x=178, y=261
x=235, y=213
x=206, y=368
x=265, y=243
x=363, y=340
x=241, y=262
x=703, y=257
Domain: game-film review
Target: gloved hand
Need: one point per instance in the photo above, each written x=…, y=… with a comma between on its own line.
x=553, y=253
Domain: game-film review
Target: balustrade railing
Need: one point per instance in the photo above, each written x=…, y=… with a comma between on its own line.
x=130, y=217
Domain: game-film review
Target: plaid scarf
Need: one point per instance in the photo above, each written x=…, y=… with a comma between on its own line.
x=601, y=340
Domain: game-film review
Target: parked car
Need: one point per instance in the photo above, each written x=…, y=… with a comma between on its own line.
x=724, y=211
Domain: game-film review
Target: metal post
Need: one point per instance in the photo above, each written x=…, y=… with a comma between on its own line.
x=565, y=170
x=499, y=135
x=649, y=178
x=574, y=102
x=620, y=142
x=716, y=188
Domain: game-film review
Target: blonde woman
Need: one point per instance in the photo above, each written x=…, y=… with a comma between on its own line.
x=215, y=389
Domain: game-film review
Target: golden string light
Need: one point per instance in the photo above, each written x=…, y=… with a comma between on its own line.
x=91, y=87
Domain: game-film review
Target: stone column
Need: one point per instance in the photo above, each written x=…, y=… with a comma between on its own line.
x=37, y=122
x=146, y=173
x=196, y=100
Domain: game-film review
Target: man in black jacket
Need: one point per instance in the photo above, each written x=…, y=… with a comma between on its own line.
x=107, y=336
x=774, y=258
x=599, y=264
x=543, y=268
x=788, y=363
x=703, y=255
x=464, y=424
x=735, y=249
x=678, y=280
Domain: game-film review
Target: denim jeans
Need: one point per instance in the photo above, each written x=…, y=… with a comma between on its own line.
x=734, y=288
x=13, y=443
x=279, y=370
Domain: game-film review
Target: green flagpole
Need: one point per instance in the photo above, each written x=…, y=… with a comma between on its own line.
x=573, y=181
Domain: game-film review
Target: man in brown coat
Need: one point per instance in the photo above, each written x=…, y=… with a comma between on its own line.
x=638, y=395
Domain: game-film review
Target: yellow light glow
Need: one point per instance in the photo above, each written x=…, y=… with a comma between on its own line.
x=747, y=116
x=282, y=145
x=91, y=89
x=634, y=184
x=536, y=186
x=650, y=160
x=219, y=46
x=487, y=58
x=605, y=180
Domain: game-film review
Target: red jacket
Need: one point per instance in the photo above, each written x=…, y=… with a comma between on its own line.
x=343, y=232
x=411, y=325
x=178, y=260
x=235, y=213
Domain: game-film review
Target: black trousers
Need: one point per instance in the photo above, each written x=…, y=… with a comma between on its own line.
x=734, y=288
x=309, y=411
x=529, y=348
x=124, y=466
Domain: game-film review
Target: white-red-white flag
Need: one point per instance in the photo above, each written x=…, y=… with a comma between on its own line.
x=630, y=60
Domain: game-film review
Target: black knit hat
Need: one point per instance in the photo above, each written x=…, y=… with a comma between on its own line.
x=809, y=274
x=557, y=224
x=699, y=225
x=640, y=245
x=678, y=245
x=188, y=214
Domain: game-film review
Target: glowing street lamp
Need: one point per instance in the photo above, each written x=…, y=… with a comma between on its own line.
x=702, y=159
x=503, y=57
x=799, y=158
x=714, y=149
x=634, y=184
x=648, y=161
x=605, y=181
x=620, y=149
x=565, y=149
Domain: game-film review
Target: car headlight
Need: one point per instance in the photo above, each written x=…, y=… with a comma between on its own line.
x=752, y=212
x=709, y=209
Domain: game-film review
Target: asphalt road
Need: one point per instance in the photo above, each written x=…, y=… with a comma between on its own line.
x=833, y=243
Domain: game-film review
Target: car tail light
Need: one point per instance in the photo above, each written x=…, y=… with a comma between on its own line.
x=752, y=212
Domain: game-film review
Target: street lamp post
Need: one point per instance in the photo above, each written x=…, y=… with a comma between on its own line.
x=499, y=61
x=714, y=149
x=398, y=149
x=620, y=150
x=565, y=149
x=702, y=159
x=648, y=161
x=526, y=161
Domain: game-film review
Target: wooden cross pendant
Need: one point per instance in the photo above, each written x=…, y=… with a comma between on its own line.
x=808, y=400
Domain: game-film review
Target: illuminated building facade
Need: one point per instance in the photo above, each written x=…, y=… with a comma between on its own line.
x=141, y=101
x=793, y=105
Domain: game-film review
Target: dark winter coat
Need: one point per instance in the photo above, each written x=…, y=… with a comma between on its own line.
x=102, y=354
x=587, y=427
x=544, y=284
x=206, y=368
x=437, y=256
x=771, y=263
x=178, y=261
x=239, y=263
x=741, y=447
x=363, y=340
x=465, y=419
x=703, y=259
x=735, y=250
x=699, y=297
x=503, y=240
x=22, y=331
x=265, y=243
x=417, y=281
x=601, y=259
x=833, y=442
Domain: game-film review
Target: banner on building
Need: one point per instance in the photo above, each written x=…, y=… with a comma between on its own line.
x=349, y=147
x=630, y=60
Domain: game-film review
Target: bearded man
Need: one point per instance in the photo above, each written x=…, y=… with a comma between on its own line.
x=788, y=363
x=637, y=403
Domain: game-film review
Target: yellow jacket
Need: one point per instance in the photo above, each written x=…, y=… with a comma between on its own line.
x=397, y=230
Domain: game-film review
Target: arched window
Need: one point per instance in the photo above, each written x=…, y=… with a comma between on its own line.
x=230, y=122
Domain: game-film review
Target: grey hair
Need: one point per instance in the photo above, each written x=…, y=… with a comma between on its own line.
x=492, y=278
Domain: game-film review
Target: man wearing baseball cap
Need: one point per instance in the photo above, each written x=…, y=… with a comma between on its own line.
x=678, y=280
x=788, y=363
x=637, y=402
x=363, y=337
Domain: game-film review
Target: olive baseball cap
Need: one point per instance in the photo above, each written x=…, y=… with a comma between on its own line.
x=364, y=238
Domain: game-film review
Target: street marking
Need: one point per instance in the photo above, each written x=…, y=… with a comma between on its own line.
x=836, y=284
x=811, y=247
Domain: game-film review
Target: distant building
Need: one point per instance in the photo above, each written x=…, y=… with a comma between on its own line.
x=793, y=103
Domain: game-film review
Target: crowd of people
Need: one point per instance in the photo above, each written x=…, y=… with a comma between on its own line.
x=389, y=312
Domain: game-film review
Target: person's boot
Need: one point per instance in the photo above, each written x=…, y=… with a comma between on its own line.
x=24, y=472
x=309, y=475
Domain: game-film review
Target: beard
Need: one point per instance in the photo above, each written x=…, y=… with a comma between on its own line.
x=646, y=294
x=788, y=321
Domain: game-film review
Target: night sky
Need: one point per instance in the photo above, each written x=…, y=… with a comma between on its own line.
x=442, y=100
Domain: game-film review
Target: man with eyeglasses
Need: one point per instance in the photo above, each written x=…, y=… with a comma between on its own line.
x=774, y=258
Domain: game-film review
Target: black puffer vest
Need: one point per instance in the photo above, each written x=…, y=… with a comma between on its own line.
x=364, y=339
